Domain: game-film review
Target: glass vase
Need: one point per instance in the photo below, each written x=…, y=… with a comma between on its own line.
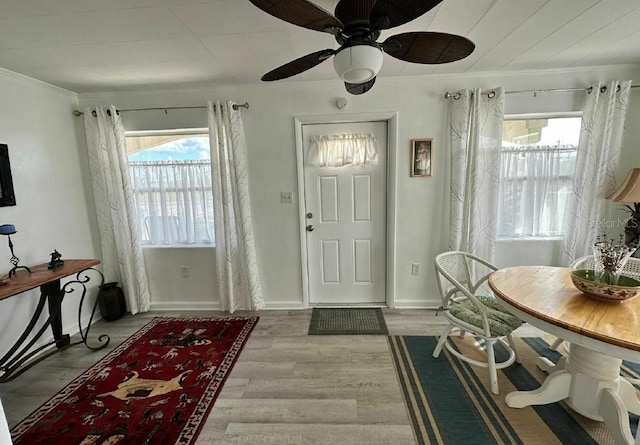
x=609, y=260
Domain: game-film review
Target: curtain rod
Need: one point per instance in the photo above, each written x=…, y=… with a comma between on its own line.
x=235, y=107
x=449, y=95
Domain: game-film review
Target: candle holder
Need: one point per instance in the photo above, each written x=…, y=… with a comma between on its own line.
x=9, y=229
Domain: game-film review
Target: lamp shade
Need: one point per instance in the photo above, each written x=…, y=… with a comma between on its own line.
x=358, y=64
x=629, y=190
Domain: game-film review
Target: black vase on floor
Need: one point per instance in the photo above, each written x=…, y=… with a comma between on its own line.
x=111, y=301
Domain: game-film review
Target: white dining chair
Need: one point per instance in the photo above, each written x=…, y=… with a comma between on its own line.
x=470, y=306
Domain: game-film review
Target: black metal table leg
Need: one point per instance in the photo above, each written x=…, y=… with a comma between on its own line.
x=82, y=278
x=23, y=355
x=54, y=297
x=5, y=361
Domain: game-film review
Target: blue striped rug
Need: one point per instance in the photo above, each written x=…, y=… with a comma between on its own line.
x=450, y=401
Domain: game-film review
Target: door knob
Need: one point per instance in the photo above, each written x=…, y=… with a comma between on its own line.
x=310, y=228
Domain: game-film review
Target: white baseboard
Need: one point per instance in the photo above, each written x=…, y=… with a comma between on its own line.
x=215, y=306
x=415, y=304
x=185, y=306
x=270, y=306
x=283, y=305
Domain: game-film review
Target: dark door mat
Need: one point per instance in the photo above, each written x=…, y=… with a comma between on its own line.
x=347, y=321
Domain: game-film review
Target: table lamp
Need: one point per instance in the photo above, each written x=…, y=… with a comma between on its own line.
x=629, y=191
x=10, y=229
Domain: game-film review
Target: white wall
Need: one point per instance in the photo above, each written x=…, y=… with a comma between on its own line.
x=53, y=195
x=422, y=218
x=170, y=289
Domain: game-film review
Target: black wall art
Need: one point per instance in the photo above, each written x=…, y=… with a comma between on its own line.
x=7, y=197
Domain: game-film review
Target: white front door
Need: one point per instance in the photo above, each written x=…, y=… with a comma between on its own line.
x=346, y=222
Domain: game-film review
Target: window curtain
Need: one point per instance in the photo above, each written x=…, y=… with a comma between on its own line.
x=535, y=188
x=603, y=118
x=238, y=279
x=475, y=120
x=122, y=259
x=174, y=201
x=342, y=149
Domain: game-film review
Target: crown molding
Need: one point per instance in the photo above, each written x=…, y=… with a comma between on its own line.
x=39, y=83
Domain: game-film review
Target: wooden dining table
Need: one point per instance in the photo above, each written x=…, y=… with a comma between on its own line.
x=600, y=334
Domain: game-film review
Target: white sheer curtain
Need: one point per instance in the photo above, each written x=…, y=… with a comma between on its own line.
x=121, y=252
x=174, y=201
x=475, y=119
x=238, y=279
x=338, y=150
x=603, y=118
x=536, y=183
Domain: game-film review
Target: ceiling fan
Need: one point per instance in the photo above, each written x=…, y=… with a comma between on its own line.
x=356, y=25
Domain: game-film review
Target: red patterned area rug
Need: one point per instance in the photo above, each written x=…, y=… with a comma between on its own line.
x=156, y=388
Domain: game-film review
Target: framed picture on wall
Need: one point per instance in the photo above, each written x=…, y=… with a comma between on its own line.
x=421, y=156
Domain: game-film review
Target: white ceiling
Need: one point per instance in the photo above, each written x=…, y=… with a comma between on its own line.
x=117, y=45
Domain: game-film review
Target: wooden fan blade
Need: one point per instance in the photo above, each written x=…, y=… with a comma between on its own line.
x=359, y=88
x=391, y=13
x=299, y=65
x=300, y=12
x=428, y=47
x=348, y=11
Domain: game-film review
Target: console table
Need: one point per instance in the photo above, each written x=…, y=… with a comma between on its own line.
x=22, y=355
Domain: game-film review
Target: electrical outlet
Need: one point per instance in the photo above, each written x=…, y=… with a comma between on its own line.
x=184, y=271
x=286, y=198
x=415, y=269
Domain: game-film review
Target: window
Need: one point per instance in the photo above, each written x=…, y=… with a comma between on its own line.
x=537, y=166
x=171, y=179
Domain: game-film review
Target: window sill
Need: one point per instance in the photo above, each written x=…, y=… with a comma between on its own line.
x=530, y=239
x=179, y=246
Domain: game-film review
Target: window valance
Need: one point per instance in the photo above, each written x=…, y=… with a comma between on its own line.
x=338, y=150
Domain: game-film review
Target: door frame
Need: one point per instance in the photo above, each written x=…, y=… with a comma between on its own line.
x=391, y=118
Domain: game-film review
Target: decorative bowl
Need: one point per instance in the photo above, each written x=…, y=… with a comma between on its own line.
x=584, y=280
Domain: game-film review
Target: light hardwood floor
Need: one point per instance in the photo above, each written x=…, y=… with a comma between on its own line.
x=287, y=387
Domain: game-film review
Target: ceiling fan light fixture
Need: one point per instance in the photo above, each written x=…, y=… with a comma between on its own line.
x=358, y=64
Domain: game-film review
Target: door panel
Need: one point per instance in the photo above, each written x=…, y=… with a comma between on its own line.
x=328, y=199
x=346, y=250
x=330, y=261
x=362, y=198
x=362, y=261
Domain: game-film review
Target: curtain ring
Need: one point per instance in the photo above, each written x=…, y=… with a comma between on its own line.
x=603, y=88
x=491, y=94
x=589, y=90
x=108, y=111
x=618, y=89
